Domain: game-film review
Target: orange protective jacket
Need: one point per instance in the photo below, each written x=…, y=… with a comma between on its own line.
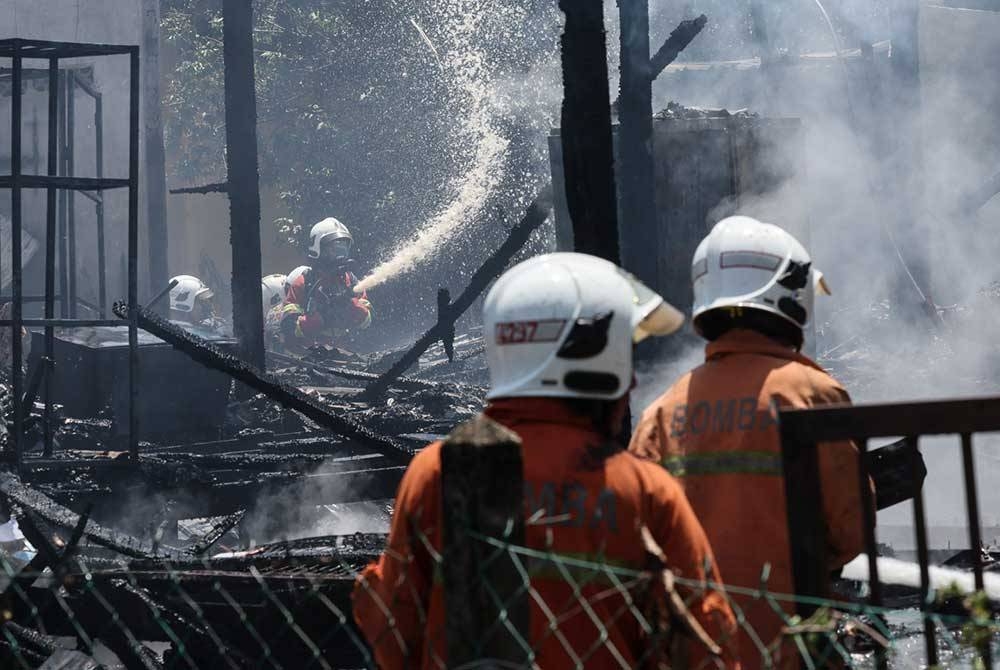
x=715, y=431
x=581, y=501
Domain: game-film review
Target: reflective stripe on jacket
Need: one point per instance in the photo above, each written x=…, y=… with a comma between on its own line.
x=715, y=431
x=582, y=500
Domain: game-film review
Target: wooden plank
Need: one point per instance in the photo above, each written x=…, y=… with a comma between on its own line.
x=482, y=496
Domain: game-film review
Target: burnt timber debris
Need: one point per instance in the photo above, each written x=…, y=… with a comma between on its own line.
x=492, y=267
x=311, y=430
x=331, y=429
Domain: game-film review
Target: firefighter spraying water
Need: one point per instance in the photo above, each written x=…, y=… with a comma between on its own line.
x=320, y=306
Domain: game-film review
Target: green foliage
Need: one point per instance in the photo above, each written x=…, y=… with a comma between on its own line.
x=337, y=86
x=974, y=608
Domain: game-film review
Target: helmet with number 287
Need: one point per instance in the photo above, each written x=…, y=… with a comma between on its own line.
x=564, y=325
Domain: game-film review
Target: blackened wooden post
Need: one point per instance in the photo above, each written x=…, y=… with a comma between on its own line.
x=641, y=239
x=244, y=193
x=588, y=155
x=133, y=253
x=17, y=439
x=448, y=339
x=50, y=246
x=486, y=601
x=154, y=162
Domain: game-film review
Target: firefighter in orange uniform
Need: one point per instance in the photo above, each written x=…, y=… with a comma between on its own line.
x=714, y=429
x=562, y=328
x=320, y=305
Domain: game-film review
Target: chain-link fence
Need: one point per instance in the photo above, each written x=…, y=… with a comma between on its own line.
x=69, y=603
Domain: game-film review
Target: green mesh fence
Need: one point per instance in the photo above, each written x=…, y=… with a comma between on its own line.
x=289, y=606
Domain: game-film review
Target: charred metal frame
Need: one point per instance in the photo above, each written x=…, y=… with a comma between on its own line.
x=59, y=180
x=802, y=431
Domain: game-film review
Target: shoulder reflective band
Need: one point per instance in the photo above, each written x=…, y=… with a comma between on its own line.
x=726, y=462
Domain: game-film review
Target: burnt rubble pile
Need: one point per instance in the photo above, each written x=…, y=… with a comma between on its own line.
x=676, y=111
x=261, y=446
x=197, y=540
x=98, y=587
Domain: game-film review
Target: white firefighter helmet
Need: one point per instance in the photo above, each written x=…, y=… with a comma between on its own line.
x=744, y=263
x=563, y=325
x=272, y=289
x=187, y=292
x=294, y=275
x=332, y=231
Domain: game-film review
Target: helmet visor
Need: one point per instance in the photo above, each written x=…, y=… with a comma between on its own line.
x=335, y=248
x=652, y=316
x=819, y=283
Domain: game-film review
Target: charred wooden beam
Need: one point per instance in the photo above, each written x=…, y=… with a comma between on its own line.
x=209, y=355
x=448, y=340
x=243, y=177
x=218, y=187
x=31, y=640
x=679, y=39
x=492, y=267
x=14, y=492
x=221, y=528
x=60, y=562
x=636, y=189
x=240, y=618
x=200, y=642
x=406, y=383
x=588, y=155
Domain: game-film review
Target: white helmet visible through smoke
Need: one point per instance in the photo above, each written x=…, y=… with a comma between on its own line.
x=748, y=264
x=272, y=289
x=294, y=275
x=330, y=229
x=563, y=325
x=187, y=292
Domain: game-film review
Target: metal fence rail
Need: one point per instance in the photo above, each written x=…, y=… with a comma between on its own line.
x=803, y=431
x=288, y=605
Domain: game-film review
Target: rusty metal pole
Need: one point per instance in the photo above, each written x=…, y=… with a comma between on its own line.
x=641, y=236
x=244, y=187
x=588, y=155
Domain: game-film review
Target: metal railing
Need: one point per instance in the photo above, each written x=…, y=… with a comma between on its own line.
x=803, y=430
